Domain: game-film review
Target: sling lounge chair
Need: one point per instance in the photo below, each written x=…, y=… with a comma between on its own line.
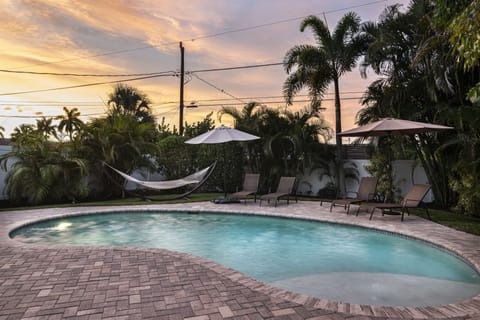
x=366, y=192
x=412, y=200
x=250, y=186
x=284, y=189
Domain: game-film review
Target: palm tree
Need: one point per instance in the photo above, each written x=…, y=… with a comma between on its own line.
x=318, y=66
x=70, y=122
x=120, y=141
x=42, y=170
x=128, y=100
x=45, y=127
x=290, y=140
x=2, y=130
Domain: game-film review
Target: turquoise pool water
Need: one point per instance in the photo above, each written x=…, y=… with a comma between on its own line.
x=292, y=254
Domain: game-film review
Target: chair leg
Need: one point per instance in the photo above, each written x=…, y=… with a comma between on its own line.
x=371, y=214
x=348, y=208
x=358, y=210
x=428, y=214
x=331, y=206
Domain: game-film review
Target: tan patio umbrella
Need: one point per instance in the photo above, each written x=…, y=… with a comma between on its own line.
x=392, y=127
x=222, y=134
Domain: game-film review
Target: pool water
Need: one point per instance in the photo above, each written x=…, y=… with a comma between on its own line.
x=319, y=259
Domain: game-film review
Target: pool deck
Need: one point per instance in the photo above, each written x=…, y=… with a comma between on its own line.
x=41, y=282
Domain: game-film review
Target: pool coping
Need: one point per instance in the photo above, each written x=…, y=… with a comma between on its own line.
x=462, y=244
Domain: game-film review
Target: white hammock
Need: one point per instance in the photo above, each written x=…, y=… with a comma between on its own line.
x=196, y=177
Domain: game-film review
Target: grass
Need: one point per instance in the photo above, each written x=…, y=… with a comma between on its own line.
x=456, y=221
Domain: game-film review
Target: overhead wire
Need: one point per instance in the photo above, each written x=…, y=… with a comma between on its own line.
x=217, y=88
x=83, y=85
x=48, y=116
x=272, y=102
x=214, y=35
x=86, y=74
x=141, y=74
x=148, y=76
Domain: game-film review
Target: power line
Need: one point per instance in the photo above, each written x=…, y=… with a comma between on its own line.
x=285, y=21
x=217, y=88
x=82, y=85
x=170, y=110
x=272, y=102
x=148, y=76
x=172, y=73
x=41, y=116
x=214, y=35
x=101, y=103
x=236, y=68
x=88, y=74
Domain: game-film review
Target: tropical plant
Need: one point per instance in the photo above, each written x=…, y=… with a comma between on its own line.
x=127, y=100
x=2, y=130
x=315, y=67
x=248, y=120
x=199, y=127
x=290, y=141
x=46, y=127
x=122, y=142
x=70, y=122
x=42, y=171
x=422, y=81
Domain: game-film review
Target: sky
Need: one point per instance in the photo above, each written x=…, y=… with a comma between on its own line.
x=127, y=37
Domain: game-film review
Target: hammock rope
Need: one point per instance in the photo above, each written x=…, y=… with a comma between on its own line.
x=194, y=178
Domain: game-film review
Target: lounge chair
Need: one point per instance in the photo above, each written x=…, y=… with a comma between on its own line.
x=284, y=189
x=366, y=192
x=412, y=200
x=250, y=186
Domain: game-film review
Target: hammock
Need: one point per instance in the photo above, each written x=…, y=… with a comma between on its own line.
x=199, y=177
x=196, y=177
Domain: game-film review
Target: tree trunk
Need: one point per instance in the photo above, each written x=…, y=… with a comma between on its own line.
x=340, y=178
x=435, y=173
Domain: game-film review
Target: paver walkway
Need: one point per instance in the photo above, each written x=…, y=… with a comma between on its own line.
x=40, y=282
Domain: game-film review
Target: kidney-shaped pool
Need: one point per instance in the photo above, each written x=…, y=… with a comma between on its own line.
x=330, y=261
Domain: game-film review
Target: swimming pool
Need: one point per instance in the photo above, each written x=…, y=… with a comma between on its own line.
x=330, y=261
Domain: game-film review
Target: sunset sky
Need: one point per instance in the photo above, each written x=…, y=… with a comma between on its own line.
x=112, y=37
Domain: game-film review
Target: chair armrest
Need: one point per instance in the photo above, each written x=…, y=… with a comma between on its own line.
x=405, y=202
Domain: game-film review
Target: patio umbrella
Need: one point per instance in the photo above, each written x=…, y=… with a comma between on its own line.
x=222, y=135
x=392, y=127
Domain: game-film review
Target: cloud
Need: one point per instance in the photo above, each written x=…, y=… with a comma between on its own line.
x=73, y=36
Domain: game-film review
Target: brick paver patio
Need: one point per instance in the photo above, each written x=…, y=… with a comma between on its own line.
x=40, y=282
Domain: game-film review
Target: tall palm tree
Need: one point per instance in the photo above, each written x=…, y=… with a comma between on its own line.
x=128, y=100
x=315, y=67
x=45, y=127
x=70, y=122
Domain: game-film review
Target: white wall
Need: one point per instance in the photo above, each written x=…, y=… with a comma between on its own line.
x=405, y=172
x=3, y=174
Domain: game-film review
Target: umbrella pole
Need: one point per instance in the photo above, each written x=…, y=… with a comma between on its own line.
x=390, y=171
x=224, y=171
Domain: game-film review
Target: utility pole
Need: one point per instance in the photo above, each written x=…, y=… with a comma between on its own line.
x=182, y=76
